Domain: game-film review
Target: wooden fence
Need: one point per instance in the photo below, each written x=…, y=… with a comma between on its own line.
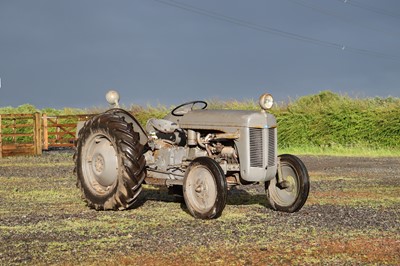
x=30, y=134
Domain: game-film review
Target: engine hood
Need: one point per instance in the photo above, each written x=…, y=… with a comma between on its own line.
x=224, y=120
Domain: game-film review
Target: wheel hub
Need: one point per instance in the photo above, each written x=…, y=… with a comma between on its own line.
x=285, y=192
x=289, y=183
x=99, y=164
x=201, y=190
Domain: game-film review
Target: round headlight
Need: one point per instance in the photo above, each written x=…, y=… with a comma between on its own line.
x=266, y=101
x=112, y=98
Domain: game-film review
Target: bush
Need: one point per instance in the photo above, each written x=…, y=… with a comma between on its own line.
x=325, y=119
x=329, y=119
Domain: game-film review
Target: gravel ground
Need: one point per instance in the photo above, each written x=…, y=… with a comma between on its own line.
x=352, y=217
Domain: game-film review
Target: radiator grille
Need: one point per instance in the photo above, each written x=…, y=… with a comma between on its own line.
x=271, y=146
x=256, y=147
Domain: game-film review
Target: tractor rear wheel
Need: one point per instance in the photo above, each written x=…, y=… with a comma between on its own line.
x=109, y=163
x=205, y=188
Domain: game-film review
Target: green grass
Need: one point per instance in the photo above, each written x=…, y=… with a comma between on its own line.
x=383, y=197
x=325, y=123
x=44, y=221
x=356, y=151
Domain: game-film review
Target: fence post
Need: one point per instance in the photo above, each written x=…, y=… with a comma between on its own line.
x=45, y=133
x=36, y=134
x=57, y=131
x=14, y=130
x=1, y=141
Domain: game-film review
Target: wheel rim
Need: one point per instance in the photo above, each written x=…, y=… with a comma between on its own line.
x=201, y=189
x=100, y=165
x=288, y=195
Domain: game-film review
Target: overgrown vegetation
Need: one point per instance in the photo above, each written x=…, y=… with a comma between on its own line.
x=329, y=120
x=324, y=123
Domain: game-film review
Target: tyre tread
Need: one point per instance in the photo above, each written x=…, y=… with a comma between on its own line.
x=131, y=156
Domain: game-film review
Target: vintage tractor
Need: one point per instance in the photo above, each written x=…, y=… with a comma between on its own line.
x=194, y=151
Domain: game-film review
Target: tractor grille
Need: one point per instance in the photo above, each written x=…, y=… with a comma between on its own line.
x=271, y=146
x=257, y=152
x=256, y=147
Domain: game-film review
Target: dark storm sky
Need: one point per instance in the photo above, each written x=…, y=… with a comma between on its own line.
x=69, y=53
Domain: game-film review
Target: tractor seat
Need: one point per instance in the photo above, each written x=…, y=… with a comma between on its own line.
x=162, y=125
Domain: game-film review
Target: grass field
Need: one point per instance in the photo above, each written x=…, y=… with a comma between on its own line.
x=352, y=217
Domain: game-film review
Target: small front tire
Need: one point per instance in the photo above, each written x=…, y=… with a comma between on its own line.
x=291, y=196
x=205, y=188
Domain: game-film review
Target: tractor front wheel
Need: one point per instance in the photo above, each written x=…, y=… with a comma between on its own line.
x=205, y=188
x=292, y=193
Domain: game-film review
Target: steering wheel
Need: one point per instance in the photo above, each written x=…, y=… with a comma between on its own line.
x=187, y=107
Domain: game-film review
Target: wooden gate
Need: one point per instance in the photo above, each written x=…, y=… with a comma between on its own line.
x=29, y=134
x=60, y=131
x=20, y=134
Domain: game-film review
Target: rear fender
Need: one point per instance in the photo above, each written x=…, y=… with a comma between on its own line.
x=131, y=119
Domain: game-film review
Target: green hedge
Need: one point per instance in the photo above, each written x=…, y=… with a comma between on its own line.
x=329, y=119
x=323, y=120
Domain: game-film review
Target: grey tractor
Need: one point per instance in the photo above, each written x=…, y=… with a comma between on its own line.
x=195, y=152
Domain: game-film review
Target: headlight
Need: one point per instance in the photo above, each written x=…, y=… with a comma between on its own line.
x=112, y=98
x=266, y=101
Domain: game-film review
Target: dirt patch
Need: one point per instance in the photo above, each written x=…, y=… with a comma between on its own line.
x=352, y=216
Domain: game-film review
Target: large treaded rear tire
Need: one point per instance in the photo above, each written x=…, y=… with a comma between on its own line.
x=109, y=163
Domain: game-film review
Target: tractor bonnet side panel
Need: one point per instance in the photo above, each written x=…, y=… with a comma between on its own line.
x=257, y=142
x=223, y=120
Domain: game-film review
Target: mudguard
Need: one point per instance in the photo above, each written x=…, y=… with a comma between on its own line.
x=131, y=119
